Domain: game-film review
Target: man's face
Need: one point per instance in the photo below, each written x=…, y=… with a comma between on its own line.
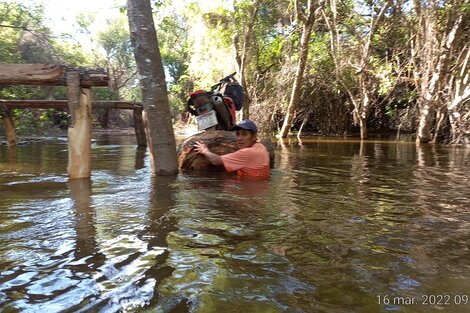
x=245, y=138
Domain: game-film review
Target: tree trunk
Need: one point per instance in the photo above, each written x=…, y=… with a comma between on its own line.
x=363, y=128
x=459, y=83
x=426, y=117
x=440, y=116
x=243, y=58
x=364, y=110
x=367, y=81
x=456, y=132
x=160, y=136
x=299, y=75
x=433, y=51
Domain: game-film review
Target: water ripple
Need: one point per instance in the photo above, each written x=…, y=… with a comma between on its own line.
x=337, y=224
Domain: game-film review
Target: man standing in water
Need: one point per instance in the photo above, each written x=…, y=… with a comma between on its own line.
x=251, y=160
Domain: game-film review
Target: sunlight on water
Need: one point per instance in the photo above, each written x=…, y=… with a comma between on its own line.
x=337, y=226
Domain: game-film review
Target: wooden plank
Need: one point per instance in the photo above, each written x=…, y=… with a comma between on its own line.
x=49, y=75
x=13, y=74
x=63, y=104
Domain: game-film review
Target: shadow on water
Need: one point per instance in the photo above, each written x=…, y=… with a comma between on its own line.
x=338, y=225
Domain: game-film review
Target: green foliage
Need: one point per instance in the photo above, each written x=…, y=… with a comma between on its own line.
x=176, y=104
x=72, y=54
x=271, y=50
x=23, y=92
x=16, y=20
x=132, y=94
x=172, y=32
x=118, y=59
x=34, y=122
x=391, y=110
x=320, y=60
x=102, y=94
x=202, y=41
x=385, y=71
x=25, y=39
x=116, y=42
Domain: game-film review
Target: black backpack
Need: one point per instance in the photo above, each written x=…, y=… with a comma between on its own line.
x=229, y=87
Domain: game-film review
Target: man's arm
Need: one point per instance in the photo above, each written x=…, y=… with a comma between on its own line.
x=202, y=148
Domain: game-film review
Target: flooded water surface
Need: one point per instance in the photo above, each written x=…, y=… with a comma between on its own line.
x=339, y=227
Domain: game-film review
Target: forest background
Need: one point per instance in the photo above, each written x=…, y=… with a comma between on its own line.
x=325, y=67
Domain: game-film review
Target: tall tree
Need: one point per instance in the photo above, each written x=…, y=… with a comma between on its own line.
x=354, y=67
x=242, y=43
x=16, y=22
x=307, y=17
x=119, y=61
x=161, y=140
x=459, y=94
x=437, y=35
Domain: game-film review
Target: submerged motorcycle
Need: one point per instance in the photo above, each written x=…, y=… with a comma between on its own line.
x=215, y=109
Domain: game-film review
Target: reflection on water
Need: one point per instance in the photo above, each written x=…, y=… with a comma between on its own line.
x=338, y=224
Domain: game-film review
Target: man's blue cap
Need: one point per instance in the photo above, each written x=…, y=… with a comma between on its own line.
x=248, y=125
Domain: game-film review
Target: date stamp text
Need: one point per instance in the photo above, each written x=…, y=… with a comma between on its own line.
x=431, y=299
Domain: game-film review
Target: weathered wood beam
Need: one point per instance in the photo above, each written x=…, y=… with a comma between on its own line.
x=63, y=104
x=49, y=75
x=79, y=134
x=88, y=77
x=16, y=74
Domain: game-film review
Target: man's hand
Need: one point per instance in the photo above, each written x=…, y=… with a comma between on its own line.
x=201, y=148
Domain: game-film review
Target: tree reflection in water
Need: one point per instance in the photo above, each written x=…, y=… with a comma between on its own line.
x=87, y=255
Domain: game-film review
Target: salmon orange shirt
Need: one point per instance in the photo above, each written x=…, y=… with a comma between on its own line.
x=251, y=163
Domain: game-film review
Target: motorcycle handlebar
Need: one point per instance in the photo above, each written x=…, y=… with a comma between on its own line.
x=225, y=79
x=228, y=77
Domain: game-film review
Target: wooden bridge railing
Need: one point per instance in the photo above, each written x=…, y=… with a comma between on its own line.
x=63, y=104
x=78, y=103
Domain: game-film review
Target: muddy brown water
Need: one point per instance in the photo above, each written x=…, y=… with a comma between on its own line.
x=339, y=227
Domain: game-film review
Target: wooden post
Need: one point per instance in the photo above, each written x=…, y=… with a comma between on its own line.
x=9, y=125
x=139, y=128
x=79, y=133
